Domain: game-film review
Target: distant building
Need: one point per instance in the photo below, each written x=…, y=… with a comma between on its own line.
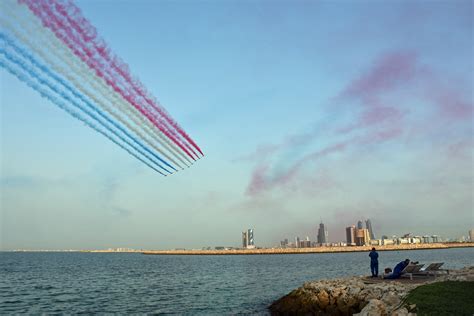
x=247, y=239
x=434, y=238
x=471, y=235
x=375, y=242
x=322, y=234
x=244, y=239
x=368, y=225
x=297, y=242
x=426, y=239
x=305, y=244
x=403, y=240
x=362, y=237
x=388, y=241
x=359, y=225
x=250, y=238
x=350, y=235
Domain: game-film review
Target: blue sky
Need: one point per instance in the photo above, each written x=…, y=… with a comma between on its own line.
x=305, y=110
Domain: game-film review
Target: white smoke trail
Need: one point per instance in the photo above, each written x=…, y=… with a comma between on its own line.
x=61, y=28
x=23, y=70
x=28, y=28
x=81, y=68
x=71, y=15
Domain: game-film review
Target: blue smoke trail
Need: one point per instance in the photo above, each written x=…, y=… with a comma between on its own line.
x=62, y=105
x=45, y=69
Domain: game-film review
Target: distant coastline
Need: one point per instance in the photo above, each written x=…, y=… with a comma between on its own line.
x=263, y=251
x=277, y=251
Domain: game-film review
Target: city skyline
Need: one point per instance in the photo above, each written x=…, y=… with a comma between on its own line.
x=305, y=110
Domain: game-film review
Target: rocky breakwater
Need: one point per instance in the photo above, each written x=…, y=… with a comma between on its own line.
x=355, y=296
x=345, y=296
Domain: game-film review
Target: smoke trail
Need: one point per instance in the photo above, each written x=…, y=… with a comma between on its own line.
x=89, y=35
x=103, y=49
x=42, y=10
x=46, y=57
x=62, y=105
x=56, y=46
x=94, y=64
x=45, y=70
x=78, y=95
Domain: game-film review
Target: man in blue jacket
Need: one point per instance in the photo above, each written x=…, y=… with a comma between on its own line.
x=374, y=263
x=397, y=271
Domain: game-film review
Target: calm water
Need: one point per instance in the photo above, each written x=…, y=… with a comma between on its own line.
x=124, y=283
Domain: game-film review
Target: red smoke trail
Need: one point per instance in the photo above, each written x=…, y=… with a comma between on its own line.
x=42, y=11
x=88, y=33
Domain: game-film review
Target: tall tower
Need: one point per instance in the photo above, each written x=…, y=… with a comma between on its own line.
x=359, y=225
x=350, y=235
x=247, y=239
x=368, y=225
x=244, y=239
x=250, y=240
x=322, y=234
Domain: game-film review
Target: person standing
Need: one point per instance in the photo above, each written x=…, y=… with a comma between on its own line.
x=374, y=263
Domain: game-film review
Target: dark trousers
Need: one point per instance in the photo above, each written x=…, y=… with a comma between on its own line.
x=374, y=268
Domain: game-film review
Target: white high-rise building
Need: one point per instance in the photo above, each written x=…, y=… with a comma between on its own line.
x=247, y=239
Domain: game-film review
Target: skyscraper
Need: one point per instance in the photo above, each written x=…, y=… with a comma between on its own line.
x=359, y=225
x=244, y=239
x=247, y=239
x=297, y=242
x=368, y=225
x=350, y=235
x=322, y=234
x=250, y=240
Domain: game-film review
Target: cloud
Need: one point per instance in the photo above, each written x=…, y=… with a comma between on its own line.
x=388, y=72
x=451, y=103
x=258, y=183
x=376, y=116
x=380, y=103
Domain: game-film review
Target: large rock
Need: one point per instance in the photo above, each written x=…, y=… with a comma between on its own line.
x=374, y=308
x=400, y=312
x=328, y=297
x=323, y=299
x=391, y=298
x=298, y=302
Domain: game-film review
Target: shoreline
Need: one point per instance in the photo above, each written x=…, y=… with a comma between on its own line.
x=263, y=251
x=361, y=295
x=279, y=251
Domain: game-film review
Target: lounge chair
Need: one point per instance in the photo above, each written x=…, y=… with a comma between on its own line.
x=411, y=269
x=433, y=269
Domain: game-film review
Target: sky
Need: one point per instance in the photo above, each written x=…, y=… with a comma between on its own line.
x=305, y=110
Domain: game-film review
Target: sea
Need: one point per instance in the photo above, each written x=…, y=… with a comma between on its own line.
x=124, y=283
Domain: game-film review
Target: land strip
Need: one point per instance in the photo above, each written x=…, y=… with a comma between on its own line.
x=277, y=251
